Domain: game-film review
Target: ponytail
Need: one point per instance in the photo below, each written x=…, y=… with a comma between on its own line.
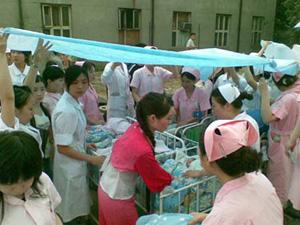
x=151, y=104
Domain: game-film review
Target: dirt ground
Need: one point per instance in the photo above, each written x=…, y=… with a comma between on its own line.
x=170, y=86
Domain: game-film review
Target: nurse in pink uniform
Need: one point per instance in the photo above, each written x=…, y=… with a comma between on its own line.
x=90, y=99
x=282, y=117
x=190, y=102
x=247, y=196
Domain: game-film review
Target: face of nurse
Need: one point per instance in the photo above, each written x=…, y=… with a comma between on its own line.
x=161, y=124
x=219, y=110
x=187, y=83
x=57, y=85
x=18, y=57
x=25, y=113
x=79, y=86
x=18, y=189
x=38, y=91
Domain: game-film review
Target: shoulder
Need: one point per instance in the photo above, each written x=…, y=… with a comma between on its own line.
x=139, y=71
x=178, y=92
x=200, y=91
x=45, y=179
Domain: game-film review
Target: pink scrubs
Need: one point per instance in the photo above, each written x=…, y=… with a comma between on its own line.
x=294, y=189
x=199, y=101
x=286, y=109
x=50, y=100
x=247, y=200
x=146, y=82
x=90, y=104
x=34, y=210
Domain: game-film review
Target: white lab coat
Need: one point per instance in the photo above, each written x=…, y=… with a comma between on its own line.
x=70, y=175
x=16, y=75
x=33, y=132
x=120, y=102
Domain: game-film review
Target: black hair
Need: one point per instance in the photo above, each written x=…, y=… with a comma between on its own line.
x=188, y=76
x=72, y=73
x=22, y=95
x=237, y=103
x=87, y=66
x=20, y=159
x=192, y=34
x=285, y=81
x=52, y=73
x=38, y=79
x=141, y=45
x=151, y=104
x=26, y=54
x=244, y=160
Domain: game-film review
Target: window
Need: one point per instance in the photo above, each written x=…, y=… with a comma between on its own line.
x=57, y=20
x=129, y=19
x=222, y=30
x=181, y=28
x=257, y=28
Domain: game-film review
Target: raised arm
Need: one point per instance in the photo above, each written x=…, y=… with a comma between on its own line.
x=107, y=75
x=6, y=89
x=40, y=55
x=264, y=47
x=266, y=111
x=249, y=78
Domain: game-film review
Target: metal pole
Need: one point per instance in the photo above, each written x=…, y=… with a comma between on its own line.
x=239, y=26
x=21, y=18
x=152, y=23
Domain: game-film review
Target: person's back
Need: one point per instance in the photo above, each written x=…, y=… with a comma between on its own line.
x=250, y=199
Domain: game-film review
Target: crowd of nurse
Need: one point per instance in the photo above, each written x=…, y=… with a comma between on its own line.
x=47, y=102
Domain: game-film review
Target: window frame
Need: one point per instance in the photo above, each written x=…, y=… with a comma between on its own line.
x=257, y=28
x=222, y=30
x=61, y=27
x=133, y=11
x=176, y=30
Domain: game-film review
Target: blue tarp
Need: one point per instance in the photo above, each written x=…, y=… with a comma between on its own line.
x=108, y=52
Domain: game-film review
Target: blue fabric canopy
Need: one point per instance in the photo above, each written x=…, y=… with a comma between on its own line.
x=284, y=66
x=108, y=52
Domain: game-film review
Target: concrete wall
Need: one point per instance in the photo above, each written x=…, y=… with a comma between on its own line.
x=98, y=19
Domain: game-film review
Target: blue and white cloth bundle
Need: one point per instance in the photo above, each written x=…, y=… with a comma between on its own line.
x=99, y=136
x=165, y=219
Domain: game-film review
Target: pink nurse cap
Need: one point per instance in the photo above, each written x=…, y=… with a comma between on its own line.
x=192, y=71
x=223, y=137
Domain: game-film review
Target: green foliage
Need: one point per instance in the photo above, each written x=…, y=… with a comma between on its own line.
x=287, y=16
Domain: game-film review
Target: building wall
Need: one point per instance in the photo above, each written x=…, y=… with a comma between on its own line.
x=98, y=19
x=9, y=13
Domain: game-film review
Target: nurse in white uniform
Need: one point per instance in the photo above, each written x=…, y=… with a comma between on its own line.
x=120, y=101
x=227, y=102
x=70, y=161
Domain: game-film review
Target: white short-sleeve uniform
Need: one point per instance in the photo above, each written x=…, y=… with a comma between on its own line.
x=35, y=210
x=16, y=75
x=26, y=128
x=70, y=175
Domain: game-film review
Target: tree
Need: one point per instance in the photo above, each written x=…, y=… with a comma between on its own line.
x=287, y=16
